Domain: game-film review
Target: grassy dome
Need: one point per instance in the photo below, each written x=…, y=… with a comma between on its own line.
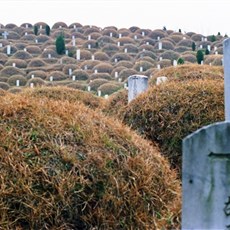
x=69, y=167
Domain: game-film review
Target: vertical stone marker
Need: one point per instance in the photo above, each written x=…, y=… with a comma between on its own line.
x=206, y=169
x=78, y=54
x=137, y=84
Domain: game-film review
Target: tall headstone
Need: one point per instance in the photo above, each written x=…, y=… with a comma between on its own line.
x=126, y=50
x=1, y=45
x=111, y=34
x=120, y=35
x=118, y=43
x=116, y=74
x=209, y=48
x=14, y=64
x=17, y=83
x=93, y=57
x=158, y=66
x=89, y=88
x=143, y=33
x=5, y=34
x=89, y=37
x=95, y=71
x=70, y=72
x=99, y=93
x=78, y=55
x=31, y=85
x=51, y=78
x=206, y=169
x=174, y=63
x=160, y=45
x=141, y=68
x=89, y=46
x=137, y=84
x=8, y=50
x=74, y=78
x=49, y=56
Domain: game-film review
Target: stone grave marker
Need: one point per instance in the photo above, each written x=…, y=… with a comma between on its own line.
x=137, y=84
x=67, y=52
x=141, y=68
x=89, y=37
x=31, y=85
x=49, y=56
x=111, y=34
x=74, y=78
x=116, y=74
x=158, y=66
x=206, y=169
x=160, y=45
x=161, y=80
x=174, y=63
x=5, y=34
x=93, y=57
x=1, y=45
x=118, y=44
x=99, y=93
x=8, y=50
x=17, y=83
x=89, y=88
x=70, y=71
x=51, y=78
x=89, y=46
x=78, y=55
x=14, y=64
x=95, y=71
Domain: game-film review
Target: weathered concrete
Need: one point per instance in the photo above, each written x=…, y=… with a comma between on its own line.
x=206, y=178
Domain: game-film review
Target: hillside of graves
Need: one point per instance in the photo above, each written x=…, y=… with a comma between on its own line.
x=74, y=153
x=95, y=59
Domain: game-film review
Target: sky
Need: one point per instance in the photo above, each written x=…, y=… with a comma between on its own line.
x=201, y=16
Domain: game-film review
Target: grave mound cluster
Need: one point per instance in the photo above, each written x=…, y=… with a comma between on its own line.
x=92, y=52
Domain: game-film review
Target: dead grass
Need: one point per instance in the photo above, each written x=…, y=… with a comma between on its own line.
x=64, y=166
x=169, y=112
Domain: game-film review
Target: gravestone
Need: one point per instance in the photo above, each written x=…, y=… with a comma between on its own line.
x=209, y=48
x=126, y=50
x=160, y=45
x=201, y=46
x=202, y=62
x=147, y=43
x=5, y=34
x=32, y=76
x=49, y=56
x=26, y=33
x=1, y=45
x=115, y=60
x=216, y=53
x=93, y=57
x=67, y=52
x=89, y=88
x=14, y=64
x=25, y=49
x=118, y=43
x=31, y=85
x=120, y=35
x=70, y=72
x=73, y=42
x=161, y=80
x=143, y=33
x=116, y=74
x=89, y=46
x=158, y=66
x=85, y=67
x=99, y=93
x=174, y=63
x=51, y=78
x=111, y=34
x=74, y=78
x=78, y=55
x=135, y=37
x=158, y=38
x=89, y=37
x=206, y=169
x=137, y=84
x=141, y=68
x=36, y=41
x=8, y=50
x=106, y=96
x=95, y=71
x=17, y=83
x=119, y=79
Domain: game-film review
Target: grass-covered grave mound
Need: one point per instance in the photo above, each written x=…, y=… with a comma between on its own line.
x=65, y=166
x=169, y=112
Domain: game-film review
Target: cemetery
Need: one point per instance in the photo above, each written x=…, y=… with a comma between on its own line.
x=125, y=129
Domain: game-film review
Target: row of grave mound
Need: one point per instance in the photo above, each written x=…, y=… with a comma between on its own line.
x=109, y=54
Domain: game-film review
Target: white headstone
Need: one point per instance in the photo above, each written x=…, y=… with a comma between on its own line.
x=1, y=45
x=99, y=93
x=5, y=34
x=73, y=42
x=215, y=48
x=147, y=43
x=17, y=83
x=126, y=50
x=49, y=56
x=202, y=62
x=143, y=33
x=115, y=60
x=85, y=67
x=67, y=52
x=174, y=62
x=89, y=37
x=209, y=48
x=135, y=37
x=226, y=62
x=210, y=63
x=201, y=46
x=137, y=84
x=158, y=66
x=95, y=71
x=143, y=49
x=93, y=57
x=14, y=64
x=120, y=35
x=70, y=71
x=60, y=27
x=36, y=40
x=158, y=38
x=120, y=79
x=31, y=85
x=74, y=26
x=51, y=78
x=160, y=58
x=202, y=39
x=106, y=96
x=32, y=76
x=184, y=38
x=27, y=26
x=25, y=49
x=89, y=46
x=8, y=50
x=116, y=74
x=141, y=68
x=74, y=78
x=160, y=45
x=26, y=33
x=118, y=43
x=111, y=34
x=161, y=79
x=88, y=88
x=216, y=53
x=78, y=54
x=40, y=27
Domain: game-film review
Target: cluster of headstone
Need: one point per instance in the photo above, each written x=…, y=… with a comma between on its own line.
x=123, y=52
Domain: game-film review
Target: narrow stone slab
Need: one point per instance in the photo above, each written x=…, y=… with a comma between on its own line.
x=206, y=178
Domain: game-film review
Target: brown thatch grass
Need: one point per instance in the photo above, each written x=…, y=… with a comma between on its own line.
x=36, y=62
x=64, y=166
x=189, y=72
x=103, y=68
x=80, y=75
x=18, y=62
x=37, y=73
x=21, y=54
x=13, y=79
x=109, y=88
x=66, y=94
x=4, y=86
x=94, y=84
x=10, y=70
x=169, y=112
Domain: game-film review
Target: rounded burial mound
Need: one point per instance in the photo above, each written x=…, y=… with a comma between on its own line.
x=65, y=166
x=169, y=112
x=66, y=94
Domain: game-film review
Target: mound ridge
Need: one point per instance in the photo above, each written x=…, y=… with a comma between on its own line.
x=65, y=166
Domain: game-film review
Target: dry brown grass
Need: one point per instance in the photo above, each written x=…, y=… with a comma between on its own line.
x=64, y=166
x=13, y=79
x=10, y=70
x=20, y=54
x=109, y=88
x=169, y=112
x=21, y=64
x=36, y=62
x=189, y=72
